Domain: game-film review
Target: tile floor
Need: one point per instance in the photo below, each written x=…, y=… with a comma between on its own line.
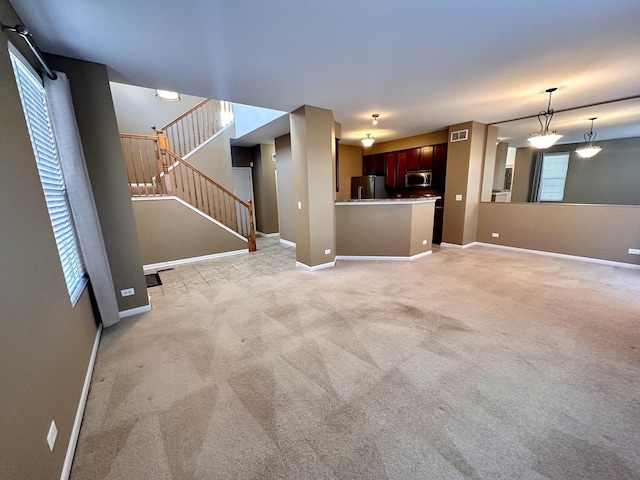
x=270, y=257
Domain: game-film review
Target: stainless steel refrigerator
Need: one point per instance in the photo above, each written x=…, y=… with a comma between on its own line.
x=368, y=186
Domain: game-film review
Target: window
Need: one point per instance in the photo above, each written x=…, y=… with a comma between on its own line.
x=34, y=104
x=553, y=176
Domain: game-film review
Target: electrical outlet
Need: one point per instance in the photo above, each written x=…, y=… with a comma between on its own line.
x=52, y=435
x=495, y=235
x=458, y=198
x=424, y=242
x=327, y=251
x=127, y=292
x=634, y=251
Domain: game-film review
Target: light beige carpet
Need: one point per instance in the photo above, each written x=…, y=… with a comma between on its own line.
x=467, y=364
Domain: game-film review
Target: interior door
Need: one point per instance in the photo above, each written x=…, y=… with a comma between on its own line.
x=243, y=188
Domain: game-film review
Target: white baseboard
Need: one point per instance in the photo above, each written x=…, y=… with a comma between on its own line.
x=420, y=255
x=382, y=258
x=316, y=267
x=561, y=255
x=287, y=242
x=260, y=234
x=154, y=267
x=75, y=431
x=136, y=311
x=455, y=245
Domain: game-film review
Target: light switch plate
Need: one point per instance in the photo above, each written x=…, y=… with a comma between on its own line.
x=299, y=205
x=495, y=235
x=327, y=251
x=458, y=198
x=127, y=292
x=424, y=242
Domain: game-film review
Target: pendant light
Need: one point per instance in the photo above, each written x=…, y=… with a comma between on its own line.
x=368, y=140
x=545, y=138
x=375, y=118
x=589, y=150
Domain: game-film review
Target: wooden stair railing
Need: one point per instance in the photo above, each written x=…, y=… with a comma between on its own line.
x=154, y=170
x=196, y=126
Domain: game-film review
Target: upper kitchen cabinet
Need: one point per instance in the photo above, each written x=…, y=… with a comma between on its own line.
x=439, y=166
x=395, y=165
x=373, y=164
x=401, y=168
x=413, y=159
x=368, y=165
x=390, y=165
x=426, y=158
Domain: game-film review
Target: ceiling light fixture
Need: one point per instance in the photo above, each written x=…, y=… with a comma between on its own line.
x=589, y=150
x=545, y=138
x=368, y=140
x=375, y=118
x=167, y=95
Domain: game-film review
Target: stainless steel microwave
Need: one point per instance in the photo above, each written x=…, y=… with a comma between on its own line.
x=418, y=179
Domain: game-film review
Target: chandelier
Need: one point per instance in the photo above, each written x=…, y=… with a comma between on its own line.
x=589, y=150
x=368, y=140
x=545, y=138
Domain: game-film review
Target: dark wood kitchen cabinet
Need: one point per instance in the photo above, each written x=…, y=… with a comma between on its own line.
x=426, y=158
x=413, y=159
x=368, y=165
x=395, y=165
x=401, y=168
x=373, y=164
x=378, y=159
x=439, y=166
x=390, y=169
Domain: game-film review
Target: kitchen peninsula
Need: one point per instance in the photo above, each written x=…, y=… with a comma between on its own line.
x=384, y=229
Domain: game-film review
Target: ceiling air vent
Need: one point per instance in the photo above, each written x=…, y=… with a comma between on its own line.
x=460, y=135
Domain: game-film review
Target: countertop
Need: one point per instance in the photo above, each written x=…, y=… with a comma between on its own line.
x=389, y=201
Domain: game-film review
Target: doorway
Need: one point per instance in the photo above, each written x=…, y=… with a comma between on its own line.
x=243, y=187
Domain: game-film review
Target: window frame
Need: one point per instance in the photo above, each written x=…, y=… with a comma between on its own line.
x=563, y=178
x=38, y=121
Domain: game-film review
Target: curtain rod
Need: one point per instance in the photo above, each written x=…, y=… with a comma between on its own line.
x=24, y=33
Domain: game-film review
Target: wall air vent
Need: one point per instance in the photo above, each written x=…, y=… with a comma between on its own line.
x=460, y=135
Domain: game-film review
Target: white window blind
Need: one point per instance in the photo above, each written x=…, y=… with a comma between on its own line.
x=553, y=176
x=34, y=104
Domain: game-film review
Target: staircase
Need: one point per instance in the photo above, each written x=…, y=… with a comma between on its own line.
x=156, y=166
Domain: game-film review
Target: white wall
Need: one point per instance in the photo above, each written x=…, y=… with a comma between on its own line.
x=138, y=109
x=248, y=118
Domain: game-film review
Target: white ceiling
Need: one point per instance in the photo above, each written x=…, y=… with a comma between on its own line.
x=422, y=65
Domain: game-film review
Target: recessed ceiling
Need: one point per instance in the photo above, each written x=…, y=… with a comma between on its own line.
x=422, y=65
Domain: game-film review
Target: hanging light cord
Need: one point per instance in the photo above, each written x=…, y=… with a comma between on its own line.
x=548, y=115
x=24, y=33
x=590, y=136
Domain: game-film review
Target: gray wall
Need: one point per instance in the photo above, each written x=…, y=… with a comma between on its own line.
x=611, y=177
x=101, y=143
x=313, y=152
x=264, y=188
x=284, y=164
x=190, y=234
x=349, y=165
x=465, y=162
x=395, y=230
x=214, y=158
x=595, y=231
x=45, y=342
